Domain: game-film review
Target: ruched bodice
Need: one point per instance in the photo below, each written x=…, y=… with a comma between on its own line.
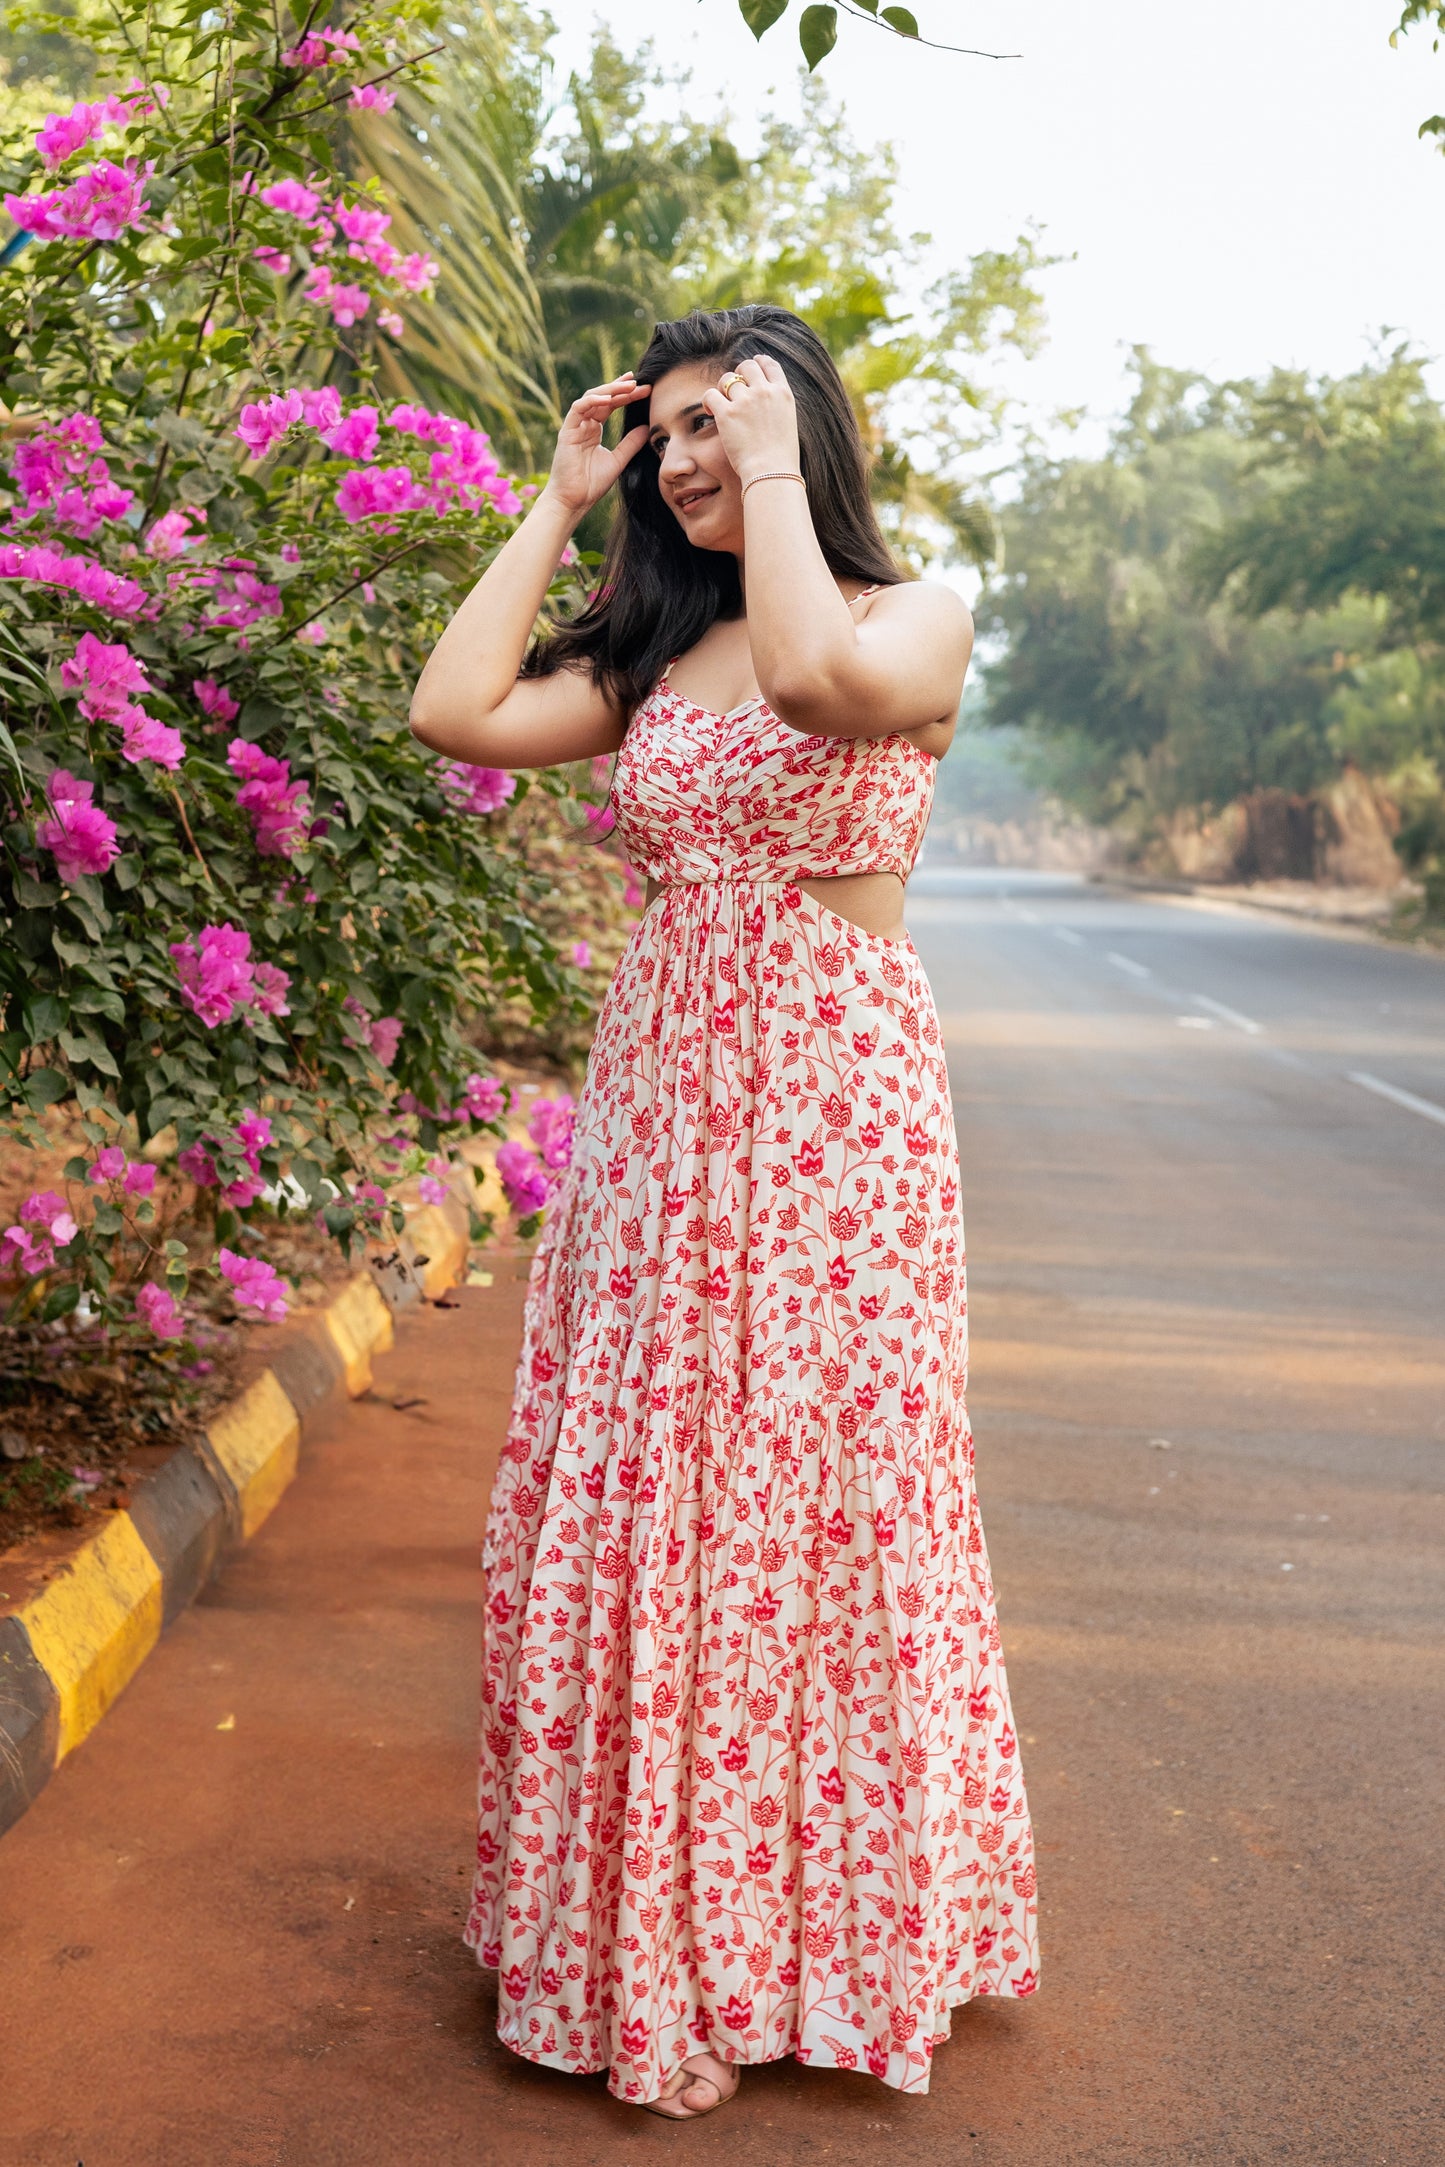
x=703, y=797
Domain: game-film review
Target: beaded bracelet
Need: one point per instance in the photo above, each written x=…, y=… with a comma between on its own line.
x=783, y=474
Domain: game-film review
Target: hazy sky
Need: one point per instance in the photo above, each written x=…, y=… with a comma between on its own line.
x=1241, y=184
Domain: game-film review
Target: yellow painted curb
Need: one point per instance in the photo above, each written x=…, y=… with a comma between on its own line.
x=433, y=1236
x=257, y=1440
x=359, y=1324
x=94, y=1626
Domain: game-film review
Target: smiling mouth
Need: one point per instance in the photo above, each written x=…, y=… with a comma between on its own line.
x=691, y=497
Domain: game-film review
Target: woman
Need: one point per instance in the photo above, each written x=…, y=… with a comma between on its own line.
x=749, y=1785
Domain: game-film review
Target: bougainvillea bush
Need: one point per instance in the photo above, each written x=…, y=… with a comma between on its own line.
x=244, y=919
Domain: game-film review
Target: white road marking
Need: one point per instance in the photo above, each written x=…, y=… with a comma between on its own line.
x=1407, y=1099
x=1228, y=1015
x=1067, y=933
x=1127, y=963
x=1194, y=1023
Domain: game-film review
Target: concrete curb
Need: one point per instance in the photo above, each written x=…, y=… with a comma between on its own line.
x=69, y=1649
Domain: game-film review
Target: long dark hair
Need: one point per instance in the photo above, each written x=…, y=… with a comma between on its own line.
x=657, y=594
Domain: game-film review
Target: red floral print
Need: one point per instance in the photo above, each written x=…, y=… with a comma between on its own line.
x=748, y=1771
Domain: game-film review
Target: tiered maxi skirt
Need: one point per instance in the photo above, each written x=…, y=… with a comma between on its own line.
x=749, y=1777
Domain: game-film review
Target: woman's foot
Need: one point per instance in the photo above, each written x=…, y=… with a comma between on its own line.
x=701, y=2085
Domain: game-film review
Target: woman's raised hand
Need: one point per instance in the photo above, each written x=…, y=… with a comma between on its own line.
x=583, y=468
x=757, y=419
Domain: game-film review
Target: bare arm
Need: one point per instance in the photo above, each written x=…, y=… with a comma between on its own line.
x=469, y=702
x=899, y=670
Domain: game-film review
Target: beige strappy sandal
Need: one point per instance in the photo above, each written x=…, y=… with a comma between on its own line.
x=684, y=2081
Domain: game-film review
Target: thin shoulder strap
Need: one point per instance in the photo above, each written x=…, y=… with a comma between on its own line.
x=864, y=592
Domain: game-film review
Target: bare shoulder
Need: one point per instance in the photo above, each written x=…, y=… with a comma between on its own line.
x=924, y=606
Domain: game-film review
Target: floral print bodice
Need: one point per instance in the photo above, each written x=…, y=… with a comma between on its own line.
x=704, y=797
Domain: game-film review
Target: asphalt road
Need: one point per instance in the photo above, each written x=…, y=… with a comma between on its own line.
x=1207, y=1277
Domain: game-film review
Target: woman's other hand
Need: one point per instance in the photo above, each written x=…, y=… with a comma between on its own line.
x=583, y=467
x=757, y=419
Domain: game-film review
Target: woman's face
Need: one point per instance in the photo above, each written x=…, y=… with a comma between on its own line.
x=699, y=485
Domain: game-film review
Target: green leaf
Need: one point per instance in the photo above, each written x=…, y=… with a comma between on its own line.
x=85, y=1046
x=257, y=717
x=46, y=1013
x=760, y=15
x=99, y=1001
x=175, y=1249
x=901, y=20
x=59, y=1302
x=108, y=1220
x=818, y=34
x=45, y=1087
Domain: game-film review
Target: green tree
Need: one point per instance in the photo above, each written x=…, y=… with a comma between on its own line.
x=1142, y=696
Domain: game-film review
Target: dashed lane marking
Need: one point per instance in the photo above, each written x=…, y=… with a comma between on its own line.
x=1407, y=1099
x=1127, y=963
x=1228, y=1015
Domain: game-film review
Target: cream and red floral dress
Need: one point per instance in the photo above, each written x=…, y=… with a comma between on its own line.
x=749, y=1777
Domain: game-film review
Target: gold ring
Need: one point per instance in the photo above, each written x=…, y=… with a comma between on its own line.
x=727, y=381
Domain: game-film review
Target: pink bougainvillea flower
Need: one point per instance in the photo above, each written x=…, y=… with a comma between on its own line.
x=214, y=698
x=370, y=1203
x=215, y=972
x=264, y=422
x=105, y=674
x=254, y=1284
x=477, y=790
x=633, y=892
x=108, y=1165
x=582, y=955
x=355, y=437
x=418, y=271
x=196, y=1163
x=550, y=1128
x=140, y=1179
x=600, y=819
x=279, y=808
x=238, y=1194
x=378, y=96
x=319, y=47
x=158, y=1309
x=483, y=1098
x=45, y=1225
x=79, y=836
x=322, y=409
x=58, y=469
x=363, y=224
x=348, y=304
x=294, y=198
x=390, y=323
x=63, y=134
x=430, y=1190
x=253, y=1133
x=371, y=492
x=271, y=988
x=240, y=597
x=82, y=575
x=385, y=1038
x=99, y=204
x=274, y=260
x=143, y=738
x=523, y=1178
x=317, y=284
x=171, y=535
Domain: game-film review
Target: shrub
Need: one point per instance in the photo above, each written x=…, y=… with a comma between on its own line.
x=244, y=917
